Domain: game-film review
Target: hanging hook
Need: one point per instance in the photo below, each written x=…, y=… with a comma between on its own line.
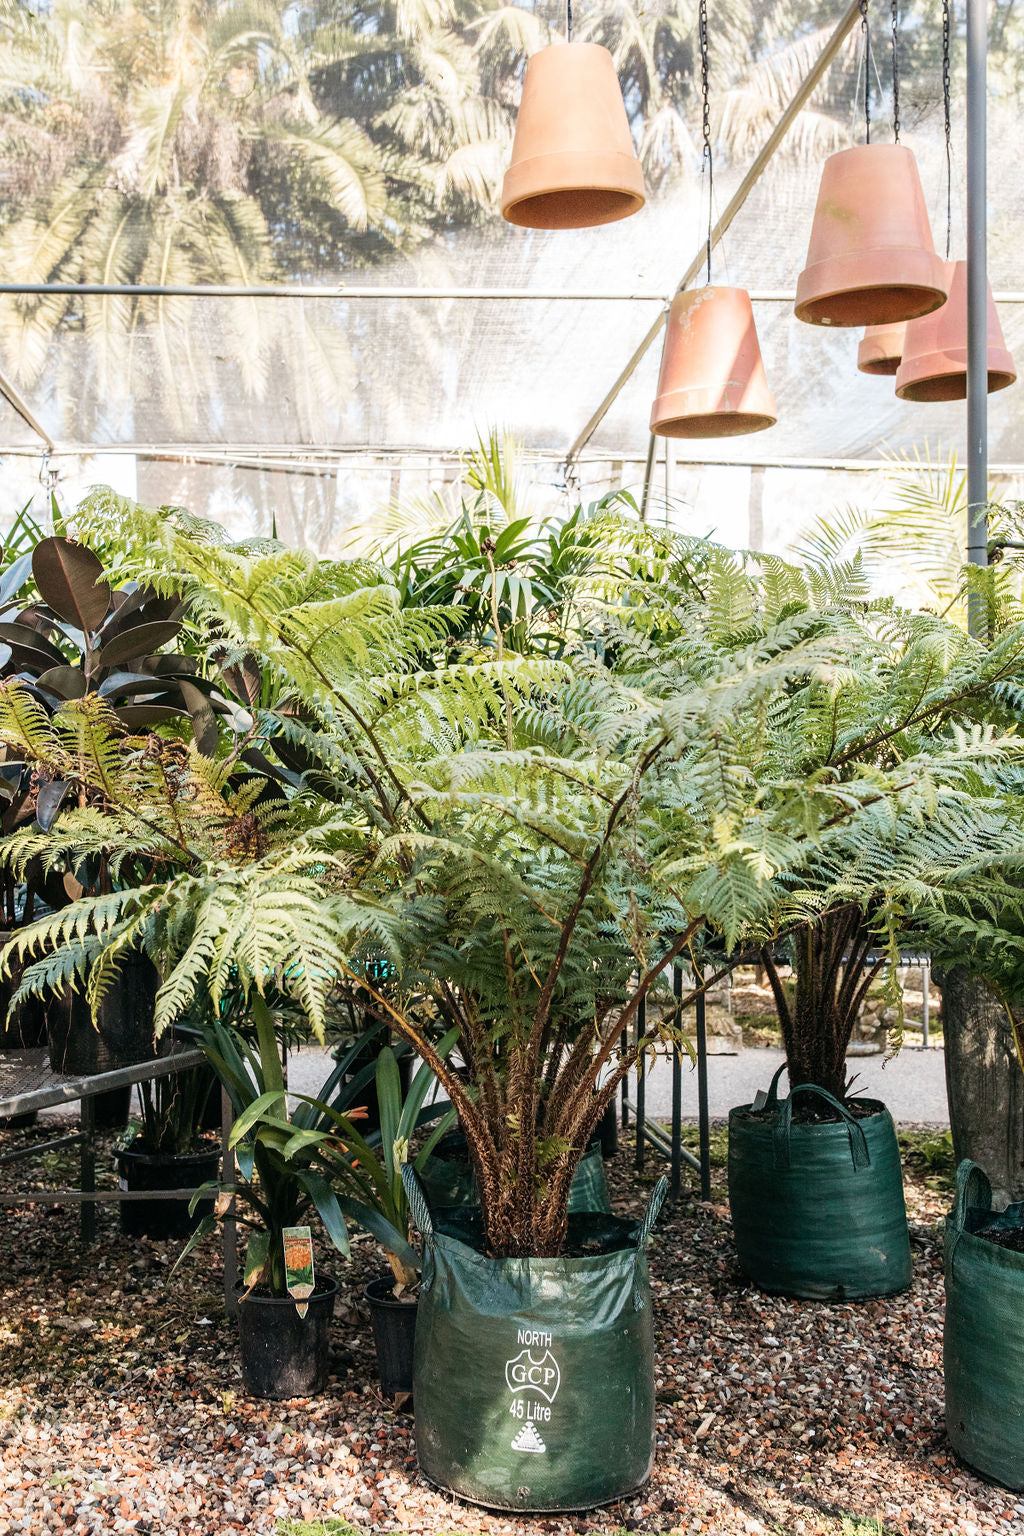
x=865, y=27
x=707, y=159
x=895, y=71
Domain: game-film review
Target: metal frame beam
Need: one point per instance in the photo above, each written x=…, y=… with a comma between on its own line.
x=977, y=295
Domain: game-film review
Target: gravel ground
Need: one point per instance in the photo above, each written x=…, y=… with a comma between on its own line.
x=121, y=1410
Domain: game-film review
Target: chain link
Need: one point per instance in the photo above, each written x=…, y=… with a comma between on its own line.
x=865, y=27
x=896, y=71
x=947, y=121
x=707, y=159
x=568, y=21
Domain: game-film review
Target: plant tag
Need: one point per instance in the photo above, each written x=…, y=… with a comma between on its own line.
x=298, y=1266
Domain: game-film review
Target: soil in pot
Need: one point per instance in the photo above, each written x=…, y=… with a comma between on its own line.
x=393, y=1320
x=142, y=1170
x=285, y=1355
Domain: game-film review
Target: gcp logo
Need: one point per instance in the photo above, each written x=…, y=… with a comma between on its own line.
x=525, y=1374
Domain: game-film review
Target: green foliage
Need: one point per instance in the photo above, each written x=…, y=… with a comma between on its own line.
x=280, y=1180
x=369, y=1170
x=930, y=1155
x=727, y=753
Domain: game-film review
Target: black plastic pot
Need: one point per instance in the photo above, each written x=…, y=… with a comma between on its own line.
x=394, y=1334
x=26, y=1026
x=285, y=1355
x=139, y=1170
x=123, y=1033
x=111, y=1111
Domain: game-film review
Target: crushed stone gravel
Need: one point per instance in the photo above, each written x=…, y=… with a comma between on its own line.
x=121, y=1407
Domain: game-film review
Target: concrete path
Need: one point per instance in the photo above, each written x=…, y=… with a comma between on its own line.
x=913, y=1084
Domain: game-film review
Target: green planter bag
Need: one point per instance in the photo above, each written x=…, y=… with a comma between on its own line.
x=817, y=1209
x=449, y=1180
x=534, y=1378
x=983, y=1343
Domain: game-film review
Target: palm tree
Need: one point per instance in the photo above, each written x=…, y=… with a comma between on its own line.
x=224, y=141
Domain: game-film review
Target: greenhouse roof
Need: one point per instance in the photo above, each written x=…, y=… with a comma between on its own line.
x=315, y=334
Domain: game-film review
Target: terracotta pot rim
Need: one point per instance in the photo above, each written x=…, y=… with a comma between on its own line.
x=608, y=174
x=883, y=366
x=913, y=276
x=712, y=424
x=933, y=383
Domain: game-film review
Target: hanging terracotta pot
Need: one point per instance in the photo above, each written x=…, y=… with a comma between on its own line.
x=573, y=164
x=934, y=365
x=712, y=381
x=880, y=349
x=871, y=260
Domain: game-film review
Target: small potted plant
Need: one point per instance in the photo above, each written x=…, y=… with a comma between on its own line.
x=168, y=1148
x=283, y=1341
x=368, y=1173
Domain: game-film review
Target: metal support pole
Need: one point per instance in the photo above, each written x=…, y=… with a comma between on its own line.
x=641, y=1107
x=704, y=1122
x=977, y=298
x=645, y=495
x=624, y=1047
x=677, y=1088
x=87, y=1181
x=926, y=986
x=229, y=1232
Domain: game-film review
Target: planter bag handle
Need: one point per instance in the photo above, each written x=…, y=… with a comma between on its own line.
x=784, y=1125
x=770, y=1099
x=973, y=1192
x=653, y=1211
x=641, y=1288
x=418, y=1204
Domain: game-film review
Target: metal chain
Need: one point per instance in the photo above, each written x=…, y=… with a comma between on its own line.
x=947, y=121
x=896, y=71
x=707, y=159
x=866, y=29
x=568, y=21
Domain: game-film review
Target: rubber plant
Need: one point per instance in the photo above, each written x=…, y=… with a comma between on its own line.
x=532, y=843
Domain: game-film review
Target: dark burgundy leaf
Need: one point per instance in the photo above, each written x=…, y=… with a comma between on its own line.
x=120, y=684
x=64, y=682
x=136, y=717
x=70, y=578
x=48, y=802
x=244, y=680
x=136, y=641
x=26, y=639
x=204, y=718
